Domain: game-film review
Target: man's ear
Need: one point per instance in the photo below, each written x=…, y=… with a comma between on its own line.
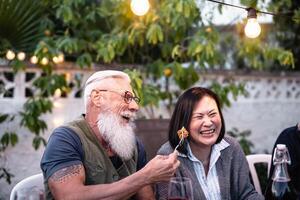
x=96, y=98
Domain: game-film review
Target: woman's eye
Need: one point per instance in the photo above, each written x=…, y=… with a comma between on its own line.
x=212, y=114
x=199, y=117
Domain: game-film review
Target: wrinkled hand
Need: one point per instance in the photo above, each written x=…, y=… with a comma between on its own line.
x=162, y=167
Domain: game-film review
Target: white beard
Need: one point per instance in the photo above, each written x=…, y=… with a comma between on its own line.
x=121, y=138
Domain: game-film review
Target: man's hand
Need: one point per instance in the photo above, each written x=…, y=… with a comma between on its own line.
x=161, y=167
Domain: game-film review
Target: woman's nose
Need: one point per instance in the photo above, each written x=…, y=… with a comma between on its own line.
x=207, y=121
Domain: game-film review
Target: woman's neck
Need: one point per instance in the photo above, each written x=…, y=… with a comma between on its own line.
x=202, y=153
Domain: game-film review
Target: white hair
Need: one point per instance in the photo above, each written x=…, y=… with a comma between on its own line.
x=95, y=79
x=120, y=137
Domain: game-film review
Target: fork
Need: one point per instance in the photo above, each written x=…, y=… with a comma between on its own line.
x=179, y=143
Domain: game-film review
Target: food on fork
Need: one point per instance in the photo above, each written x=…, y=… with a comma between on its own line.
x=182, y=133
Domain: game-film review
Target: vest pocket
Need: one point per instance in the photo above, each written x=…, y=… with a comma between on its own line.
x=95, y=174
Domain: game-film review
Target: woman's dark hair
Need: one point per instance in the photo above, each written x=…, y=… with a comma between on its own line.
x=183, y=111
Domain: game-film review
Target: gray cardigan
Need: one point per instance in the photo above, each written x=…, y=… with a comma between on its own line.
x=232, y=169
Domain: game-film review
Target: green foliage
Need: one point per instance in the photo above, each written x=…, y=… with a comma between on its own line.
x=4, y=173
x=47, y=84
x=257, y=54
x=242, y=138
x=8, y=138
x=41, y=104
x=20, y=23
x=150, y=95
x=225, y=91
x=33, y=109
x=286, y=27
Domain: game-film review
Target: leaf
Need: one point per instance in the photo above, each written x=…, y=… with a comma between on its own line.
x=154, y=34
x=65, y=13
x=179, y=6
x=5, y=139
x=84, y=60
x=13, y=138
x=176, y=51
x=3, y=117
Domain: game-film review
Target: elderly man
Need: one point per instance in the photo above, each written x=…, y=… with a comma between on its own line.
x=98, y=156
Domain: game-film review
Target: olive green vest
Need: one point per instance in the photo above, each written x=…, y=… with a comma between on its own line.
x=97, y=164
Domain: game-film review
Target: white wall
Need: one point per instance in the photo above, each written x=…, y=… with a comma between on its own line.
x=272, y=105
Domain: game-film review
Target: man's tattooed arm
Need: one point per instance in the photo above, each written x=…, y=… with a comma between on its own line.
x=66, y=173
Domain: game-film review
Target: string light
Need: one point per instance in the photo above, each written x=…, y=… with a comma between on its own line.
x=21, y=56
x=57, y=93
x=61, y=58
x=139, y=7
x=10, y=55
x=44, y=61
x=252, y=28
x=55, y=59
x=34, y=60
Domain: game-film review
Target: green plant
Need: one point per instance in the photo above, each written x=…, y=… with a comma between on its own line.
x=8, y=138
x=242, y=138
x=20, y=24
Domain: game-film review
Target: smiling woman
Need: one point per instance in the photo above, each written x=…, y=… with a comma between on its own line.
x=206, y=156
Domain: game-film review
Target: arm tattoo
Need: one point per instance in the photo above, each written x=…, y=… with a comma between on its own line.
x=65, y=173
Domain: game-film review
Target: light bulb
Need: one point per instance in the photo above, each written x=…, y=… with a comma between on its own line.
x=57, y=93
x=55, y=59
x=44, y=61
x=21, y=55
x=10, y=55
x=34, y=60
x=61, y=58
x=252, y=28
x=140, y=7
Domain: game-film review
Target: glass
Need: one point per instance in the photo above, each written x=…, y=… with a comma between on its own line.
x=127, y=96
x=180, y=188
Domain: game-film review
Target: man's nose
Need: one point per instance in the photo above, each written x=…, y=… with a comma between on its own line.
x=133, y=106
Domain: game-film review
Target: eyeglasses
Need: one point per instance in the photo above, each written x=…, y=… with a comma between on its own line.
x=127, y=96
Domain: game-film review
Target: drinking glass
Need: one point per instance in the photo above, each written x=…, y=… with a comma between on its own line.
x=180, y=188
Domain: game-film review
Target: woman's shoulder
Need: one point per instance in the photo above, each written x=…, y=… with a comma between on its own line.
x=231, y=140
x=165, y=149
x=234, y=145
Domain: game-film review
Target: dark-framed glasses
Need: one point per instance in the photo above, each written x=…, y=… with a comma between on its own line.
x=127, y=96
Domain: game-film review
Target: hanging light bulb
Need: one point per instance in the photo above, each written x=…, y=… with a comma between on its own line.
x=44, y=61
x=140, y=7
x=61, y=58
x=55, y=59
x=252, y=28
x=21, y=56
x=57, y=93
x=10, y=55
x=34, y=60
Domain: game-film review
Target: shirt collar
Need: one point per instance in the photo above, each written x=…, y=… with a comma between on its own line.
x=216, y=150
